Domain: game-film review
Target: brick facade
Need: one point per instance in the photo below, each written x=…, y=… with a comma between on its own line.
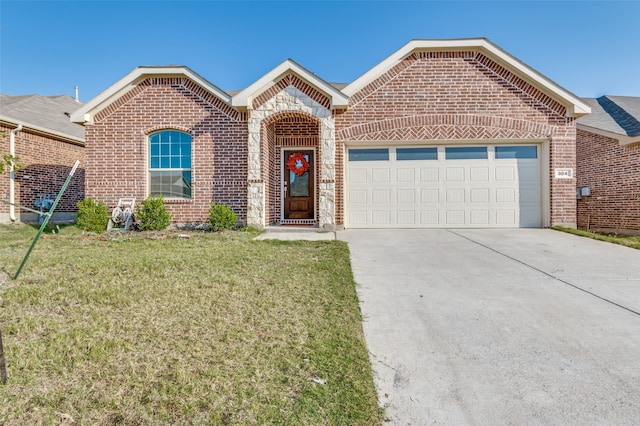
x=612, y=171
x=434, y=97
x=427, y=97
x=47, y=162
x=117, y=147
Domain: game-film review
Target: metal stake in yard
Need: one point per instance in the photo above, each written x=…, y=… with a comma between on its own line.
x=3, y=366
x=47, y=217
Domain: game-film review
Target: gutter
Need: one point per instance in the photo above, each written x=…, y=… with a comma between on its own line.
x=12, y=175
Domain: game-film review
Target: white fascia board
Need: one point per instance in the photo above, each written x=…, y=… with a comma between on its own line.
x=42, y=130
x=622, y=139
x=242, y=99
x=85, y=114
x=575, y=106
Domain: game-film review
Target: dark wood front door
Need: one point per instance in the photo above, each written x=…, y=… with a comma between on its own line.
x=299, y=184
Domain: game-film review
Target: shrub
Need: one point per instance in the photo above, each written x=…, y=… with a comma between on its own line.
x=92, y=216
x=153, y=216
x=221, y=217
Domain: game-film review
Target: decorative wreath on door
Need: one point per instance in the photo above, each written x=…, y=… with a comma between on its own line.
x=297, y=163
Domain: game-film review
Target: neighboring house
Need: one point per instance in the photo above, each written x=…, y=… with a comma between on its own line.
x=442, y=133
x=608, y=156
x=48, y=145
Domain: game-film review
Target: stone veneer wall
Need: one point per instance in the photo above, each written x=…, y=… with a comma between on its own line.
x=612, y=171
x=294, y=101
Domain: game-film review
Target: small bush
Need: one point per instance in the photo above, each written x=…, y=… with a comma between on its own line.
x=221, y=217
x=92, y=216
x=153, y=216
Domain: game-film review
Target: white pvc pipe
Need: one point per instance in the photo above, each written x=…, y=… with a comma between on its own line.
x=12, y=175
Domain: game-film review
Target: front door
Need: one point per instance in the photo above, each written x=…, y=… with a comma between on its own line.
x=299, y=184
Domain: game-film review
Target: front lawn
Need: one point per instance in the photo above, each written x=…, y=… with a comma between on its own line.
x=143, y=328
x=624, y=240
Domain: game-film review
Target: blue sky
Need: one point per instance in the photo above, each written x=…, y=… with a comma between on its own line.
x=588, y=47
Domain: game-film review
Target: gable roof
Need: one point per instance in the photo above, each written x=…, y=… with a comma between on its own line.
x=574, y=105
x=617, y=117
x=129, y=81
x=243, y=98
x=43, y=114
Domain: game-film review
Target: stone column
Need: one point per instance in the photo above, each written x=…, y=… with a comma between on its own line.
x=255, y=187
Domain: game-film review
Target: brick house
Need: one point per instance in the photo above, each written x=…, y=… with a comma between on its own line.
x=442, y=133
x=48, y=145
x=608, y=163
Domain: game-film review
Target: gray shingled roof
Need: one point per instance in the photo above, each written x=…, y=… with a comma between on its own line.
x=615, y=114
x=42, y=112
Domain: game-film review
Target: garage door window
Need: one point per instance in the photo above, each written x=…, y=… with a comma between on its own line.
x=519, y=152
x=405, y=154
x=371, y=154
x=466, y=153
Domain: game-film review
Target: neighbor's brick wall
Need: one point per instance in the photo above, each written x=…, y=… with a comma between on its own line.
x=117, y=147
x=47, y=162
x=612, y=172
x=440, y=96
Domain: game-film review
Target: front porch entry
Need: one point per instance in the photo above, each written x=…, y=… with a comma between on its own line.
x=298, y=187
x=291, y=153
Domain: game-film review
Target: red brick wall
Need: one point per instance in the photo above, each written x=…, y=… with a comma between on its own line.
x=117, y=147
x=47, y=162
x=612, y=172
x=442, y=96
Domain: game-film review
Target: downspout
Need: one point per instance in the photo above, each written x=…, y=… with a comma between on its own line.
x=12, y=175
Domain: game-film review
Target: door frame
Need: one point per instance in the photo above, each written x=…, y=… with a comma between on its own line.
x=282, y=179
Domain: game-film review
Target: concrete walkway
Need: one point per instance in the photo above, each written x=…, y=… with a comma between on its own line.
x=491, y=327
x=295, y=233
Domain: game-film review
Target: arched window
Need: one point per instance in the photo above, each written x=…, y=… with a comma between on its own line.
x=170, y=164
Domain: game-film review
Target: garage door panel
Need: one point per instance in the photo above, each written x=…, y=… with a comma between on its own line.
x=357, y=196
x=381, y=196
x=429, y=174
x=506, y=217
x=429, y=196
x=479, y=195
x=454, y=174
x=479, y=217
x=406, y=175
x=381, y=217
x=380, y=175
x=455, y=195
x=435, y=192
x=357, y=175
x=406, y=217
x=479, y=174
x=406, y=196
x=505, y=195
x=506, y=173
x=455, y=217
x=430, y=217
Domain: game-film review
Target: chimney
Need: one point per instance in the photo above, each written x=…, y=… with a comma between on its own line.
x=77, y=99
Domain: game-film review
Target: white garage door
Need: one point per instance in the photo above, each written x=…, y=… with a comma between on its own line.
x=443, y=187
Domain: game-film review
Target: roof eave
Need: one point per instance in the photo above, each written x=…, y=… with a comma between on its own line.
x=622, y=139
x=575, y=107
x=42, y=130
x=86, y=113
x=243, y=98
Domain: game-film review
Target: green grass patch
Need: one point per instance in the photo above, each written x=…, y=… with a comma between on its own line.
x=624, y=240
x=148, y=328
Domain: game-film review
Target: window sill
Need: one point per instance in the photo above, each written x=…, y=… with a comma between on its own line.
x=177, y=200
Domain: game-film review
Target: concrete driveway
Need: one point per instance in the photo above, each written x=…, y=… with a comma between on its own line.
x=494, y=327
